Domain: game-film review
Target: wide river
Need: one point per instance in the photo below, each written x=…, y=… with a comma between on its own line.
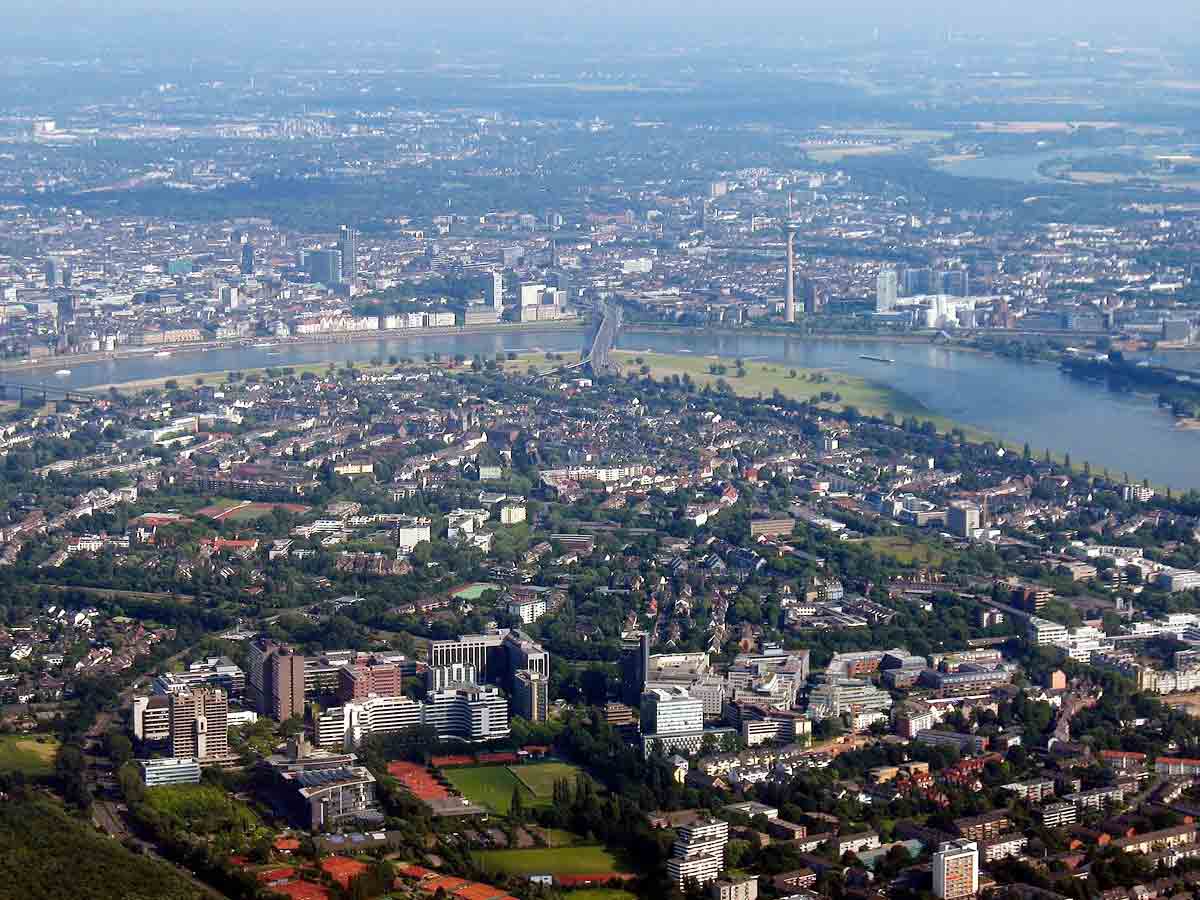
x=1014, y=401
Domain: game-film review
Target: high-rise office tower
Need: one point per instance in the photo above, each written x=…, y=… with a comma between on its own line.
x=247, y=266
x=199, y=723
x=885, y=291
x=956, y=870
x=670, y=709
x=496, y=292
x=954, y=282
x=809, y=296
x=531, y=695
x=275, y=679
x=53, y=270
x=635, y=666
x=66, y=309
x=917, y=281
x=323, y=266
x=348, y=245
x=285, y=680
x=789, y=303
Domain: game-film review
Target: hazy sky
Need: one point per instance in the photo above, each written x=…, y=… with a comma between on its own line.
x=732, y=18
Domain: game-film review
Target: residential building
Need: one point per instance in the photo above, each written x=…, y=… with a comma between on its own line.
x=1034, y=790
x=1057, y=815
x=698, y=854
x=744, y=887
x=956, y=870
x=983, y=827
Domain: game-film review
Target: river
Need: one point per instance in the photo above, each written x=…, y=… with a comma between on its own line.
x=1015, y=401
x=1013, y=167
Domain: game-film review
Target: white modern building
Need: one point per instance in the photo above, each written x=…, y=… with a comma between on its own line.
x=345, y=727
x=886, y=289
x=156, y=772
x=670, y=709
x=699, y=852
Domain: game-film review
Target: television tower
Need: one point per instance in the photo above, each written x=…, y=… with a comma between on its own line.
x=789, y=303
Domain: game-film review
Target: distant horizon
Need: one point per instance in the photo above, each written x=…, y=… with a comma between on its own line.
x=41, y=27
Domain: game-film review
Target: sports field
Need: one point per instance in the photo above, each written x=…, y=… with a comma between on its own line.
x=540, y=778
x=31, y=754
x=246, y=511
x=905, y=550
x=492, y=786
x=592, y=860
x=475, y=591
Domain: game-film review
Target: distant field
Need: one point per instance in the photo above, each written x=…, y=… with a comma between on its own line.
x=31, y=754
x=834, y=154
x=240, y=511
x=492, y=786
x=601, y=894
x=764, y=378
x=563, y=861
x=907, y=551
x=474, y=591
x=870, y=398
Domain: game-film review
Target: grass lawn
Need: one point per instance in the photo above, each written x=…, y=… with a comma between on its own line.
x=476, y=590
x=601, y=894
x=248, y=513
x=905, y=550
x=540, y=777
x=869, y=398
x=31, y=754
x=765, y=377
x=558, y=837
x=592, y=860
x=490, y=786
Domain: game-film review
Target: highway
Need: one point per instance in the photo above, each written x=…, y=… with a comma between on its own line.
x=597, y=354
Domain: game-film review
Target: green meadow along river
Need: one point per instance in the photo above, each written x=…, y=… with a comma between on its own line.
x=1015, y=401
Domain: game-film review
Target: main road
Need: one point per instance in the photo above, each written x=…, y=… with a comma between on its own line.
x=597, y=352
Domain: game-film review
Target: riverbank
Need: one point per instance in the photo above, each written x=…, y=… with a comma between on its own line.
x=54, y=363
x=985, y=393
x=871, y=398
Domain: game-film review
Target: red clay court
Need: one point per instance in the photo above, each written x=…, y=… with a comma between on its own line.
x=441, y=762
x=341, y=869
x=418, y=781
x=302, y=890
